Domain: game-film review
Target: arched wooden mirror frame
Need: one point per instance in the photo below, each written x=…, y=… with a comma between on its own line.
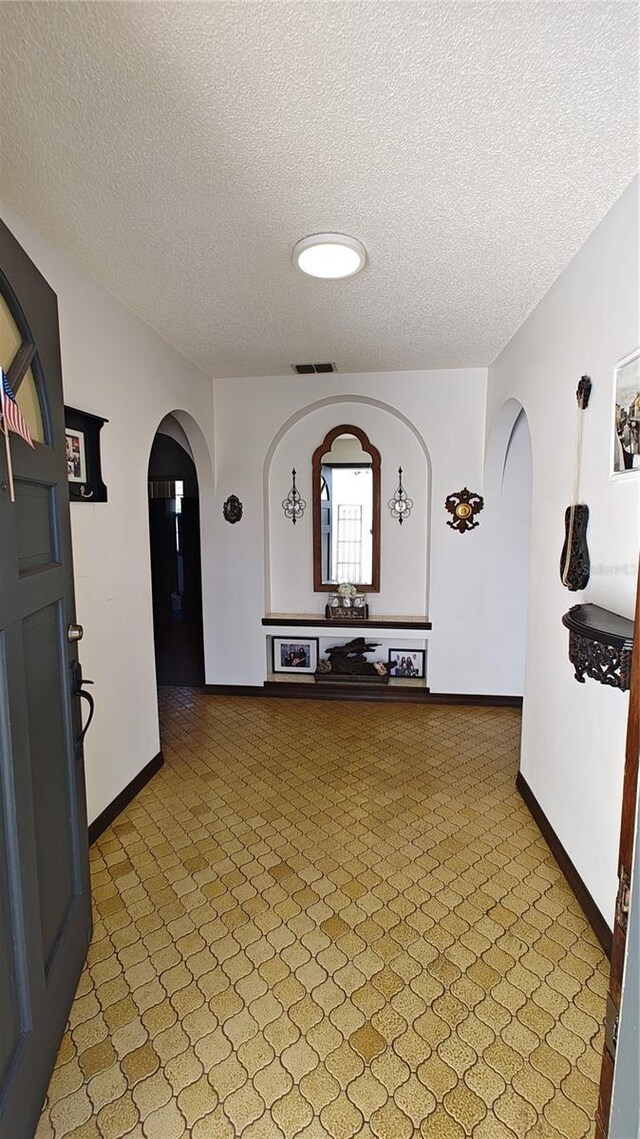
x=319, y=586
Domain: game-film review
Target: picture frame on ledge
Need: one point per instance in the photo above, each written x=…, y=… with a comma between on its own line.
x=295, y=654
x=407, y=663
x=82, y=450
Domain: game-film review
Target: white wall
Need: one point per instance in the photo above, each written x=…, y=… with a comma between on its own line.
x=117, y=367
x=266, y=425
x=573, y=735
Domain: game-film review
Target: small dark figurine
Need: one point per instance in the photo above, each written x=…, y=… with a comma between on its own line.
x=350, y=658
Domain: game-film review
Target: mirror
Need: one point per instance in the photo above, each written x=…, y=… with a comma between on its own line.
x=346, y=511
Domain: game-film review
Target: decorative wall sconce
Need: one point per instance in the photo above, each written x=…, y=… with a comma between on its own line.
x=463, y=504
x=400, y=505
x=293, y=505
x=232, y=509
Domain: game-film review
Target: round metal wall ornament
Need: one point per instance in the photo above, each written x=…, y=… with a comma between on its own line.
x=463, y=505
x=232, y=509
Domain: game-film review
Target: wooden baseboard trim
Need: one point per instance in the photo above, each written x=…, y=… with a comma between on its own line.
x=591, y=911
x=234, y=690
x=326, y=691
x=122, y=800
x=474, y=701
x=348, y=691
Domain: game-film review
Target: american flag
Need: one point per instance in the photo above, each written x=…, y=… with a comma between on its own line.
x=13, y=418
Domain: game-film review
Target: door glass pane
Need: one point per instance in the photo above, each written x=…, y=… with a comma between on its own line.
x=27, y=397
x=28, y=401
x=10, y=338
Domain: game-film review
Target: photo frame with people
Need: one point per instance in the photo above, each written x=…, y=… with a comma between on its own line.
x=407, y=664
x=295, y=654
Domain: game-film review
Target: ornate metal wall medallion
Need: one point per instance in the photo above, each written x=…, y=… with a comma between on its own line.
x=232, y=509
x=464, y=505
x=294, y=505
x=400, y=505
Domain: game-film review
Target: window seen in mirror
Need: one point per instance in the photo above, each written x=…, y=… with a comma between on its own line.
x=346, y=511
x=347, y=503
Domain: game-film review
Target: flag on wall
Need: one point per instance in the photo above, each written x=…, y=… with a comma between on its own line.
x=12, y=416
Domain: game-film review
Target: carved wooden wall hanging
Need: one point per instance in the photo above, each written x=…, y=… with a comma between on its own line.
x=575, y=566
x=464, y=505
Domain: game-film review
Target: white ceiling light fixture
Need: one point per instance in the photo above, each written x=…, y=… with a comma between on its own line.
x=329, y=255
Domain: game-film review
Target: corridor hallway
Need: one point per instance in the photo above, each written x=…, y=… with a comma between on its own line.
x=331, y=919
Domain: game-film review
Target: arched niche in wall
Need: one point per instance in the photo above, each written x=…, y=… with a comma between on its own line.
x=499, y=438
x=404, y=550
x=508, y=488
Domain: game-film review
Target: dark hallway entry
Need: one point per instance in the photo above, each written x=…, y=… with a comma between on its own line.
x=176, y=581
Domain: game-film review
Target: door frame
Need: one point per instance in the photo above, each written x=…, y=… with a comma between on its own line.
x=625, y=863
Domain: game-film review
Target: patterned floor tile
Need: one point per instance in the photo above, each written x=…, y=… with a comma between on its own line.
x=331, y=920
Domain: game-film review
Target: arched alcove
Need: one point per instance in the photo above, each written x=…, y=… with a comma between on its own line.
x=404, y=586
x=508, y=487
x=499, y=439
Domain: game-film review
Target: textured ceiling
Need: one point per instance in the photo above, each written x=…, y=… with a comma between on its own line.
x=178, y=151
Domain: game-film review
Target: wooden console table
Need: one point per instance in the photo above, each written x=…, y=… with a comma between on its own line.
x=600, y=645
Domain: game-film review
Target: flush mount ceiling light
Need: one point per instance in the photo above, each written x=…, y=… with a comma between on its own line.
x=329, y=255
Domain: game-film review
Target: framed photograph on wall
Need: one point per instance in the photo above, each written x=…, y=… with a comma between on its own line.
x=295, y=654
x=76, y=456
x=407, y=663
x=82, y=451
x=626, y=417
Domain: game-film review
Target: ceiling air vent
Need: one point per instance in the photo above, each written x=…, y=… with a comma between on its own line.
x=309, y=369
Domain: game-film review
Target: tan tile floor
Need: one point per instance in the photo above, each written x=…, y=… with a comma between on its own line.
x=331, y=919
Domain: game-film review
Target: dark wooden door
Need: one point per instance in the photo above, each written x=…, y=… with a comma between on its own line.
x=45, y=914
x=625, y=857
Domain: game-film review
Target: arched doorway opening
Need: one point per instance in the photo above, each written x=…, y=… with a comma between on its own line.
x=176, y=576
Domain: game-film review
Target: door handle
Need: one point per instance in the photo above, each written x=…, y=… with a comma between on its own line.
x=77, y=689
x=74, y=633
x=92, y=707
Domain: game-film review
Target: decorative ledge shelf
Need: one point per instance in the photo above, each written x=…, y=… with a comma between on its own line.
x=314, y=620
x=400, y=694
x=600, y=645
x=415, y=684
